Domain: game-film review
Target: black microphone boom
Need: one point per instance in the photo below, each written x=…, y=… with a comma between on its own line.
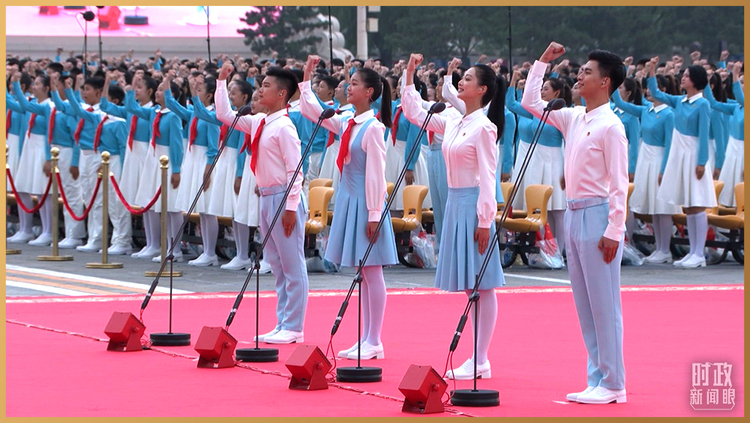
x=242, y=111
x=326, y=114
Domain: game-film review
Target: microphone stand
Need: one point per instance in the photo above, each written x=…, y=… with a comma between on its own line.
x=484, y=397
x=269, y=354
x=99, y=22
x=208, y=34
x=359, y=373
x=182, y=339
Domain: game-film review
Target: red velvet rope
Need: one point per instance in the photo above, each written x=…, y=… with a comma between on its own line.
x=18, y=200
x=125, y=202
x=90, y=204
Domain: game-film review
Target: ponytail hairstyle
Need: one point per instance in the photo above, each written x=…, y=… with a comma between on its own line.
x=718, y=88
x=25, y=82
x=495, y=96
x=563, y=90
x=151, y=84
x=176, y=89
x=210, y=84
x=45, y=83
x=635, y=91
x=380, y=86
x=246, y=89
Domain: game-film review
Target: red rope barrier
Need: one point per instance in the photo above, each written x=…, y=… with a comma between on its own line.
x=89, y=205
x=125, y=202
x=18, y=200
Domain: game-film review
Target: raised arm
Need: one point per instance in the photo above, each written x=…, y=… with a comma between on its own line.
x=629, y=108
x=181, y=111
x=90, y=117
x=12, y=104
x=450, y=94
x=411, y=101
x=132, y=107
x=513, y=105
x=725, y=108
x=202, y=113
x=36, y=108
x=739, y=94
x=224, y=110
x=309, y=104
x=656, y=93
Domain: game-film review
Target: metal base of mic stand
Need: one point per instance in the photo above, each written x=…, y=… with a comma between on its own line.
x=475, y=398
x=170, y=339
x=359, y=374
x=257, y=354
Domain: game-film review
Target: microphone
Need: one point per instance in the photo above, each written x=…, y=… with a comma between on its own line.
x=327, y=114
x=555, y=104
x=437, y=107
x=88, y=15
x=244, y=110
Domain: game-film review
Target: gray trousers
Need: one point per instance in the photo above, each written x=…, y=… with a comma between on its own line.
x=596, y=291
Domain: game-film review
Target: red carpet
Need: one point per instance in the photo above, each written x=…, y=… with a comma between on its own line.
x=56, y=366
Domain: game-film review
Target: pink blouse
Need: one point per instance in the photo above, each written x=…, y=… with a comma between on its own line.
x=469, y=149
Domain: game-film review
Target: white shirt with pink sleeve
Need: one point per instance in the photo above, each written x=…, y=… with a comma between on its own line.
x=469, y=148
x=373, y=144
x=279, y=150
x=596, y=151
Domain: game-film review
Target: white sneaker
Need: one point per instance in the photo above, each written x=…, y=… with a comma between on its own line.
x=178, y=258
x=69, y=243
x=658, y=257
x=119, y=250
x=261, y=338
x=147, y=252
x=574, y=396
x=90, y=247
x=204, y=260
x=237, y=264
x=679, y=262
x=367, y=352
x=602, y=395
x=20, y=238
x=693, y=262
x=43, y=240
x=285, y=337
x=265, y=267
x=344, y=353
x=466, y=371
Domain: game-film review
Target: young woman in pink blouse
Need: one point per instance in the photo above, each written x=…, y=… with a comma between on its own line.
x=469, y=147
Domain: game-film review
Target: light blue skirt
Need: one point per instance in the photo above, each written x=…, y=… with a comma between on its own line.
x=347, y=240
x=459, y=260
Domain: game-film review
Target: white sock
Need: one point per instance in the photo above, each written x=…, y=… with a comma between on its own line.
x=26, y=219
x=45, y=214
x=487, y=320
x=373, y=278
x=691, y=232
x=174, y=223
x=663, y=231
x=701, y=231
x=155, y=228
x=147, y=229
x=209, y=233
x=241, y=239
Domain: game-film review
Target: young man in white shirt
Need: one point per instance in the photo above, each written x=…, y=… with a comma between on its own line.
x=596, y=176
x=275, y=155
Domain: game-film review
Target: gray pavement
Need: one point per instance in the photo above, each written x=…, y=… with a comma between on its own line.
x=22, y=281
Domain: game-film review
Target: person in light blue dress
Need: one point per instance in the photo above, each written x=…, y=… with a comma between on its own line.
x=360, y=197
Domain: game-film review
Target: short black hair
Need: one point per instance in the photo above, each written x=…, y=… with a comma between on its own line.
x=330, y=81
x=337, y=62
x=116, y=93
x=610, y=66
x=286, y=80
x=95, y=82
x=56, y=67
x=698, y=76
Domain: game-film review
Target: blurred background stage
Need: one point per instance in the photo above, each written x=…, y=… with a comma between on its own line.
x=177, y=30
